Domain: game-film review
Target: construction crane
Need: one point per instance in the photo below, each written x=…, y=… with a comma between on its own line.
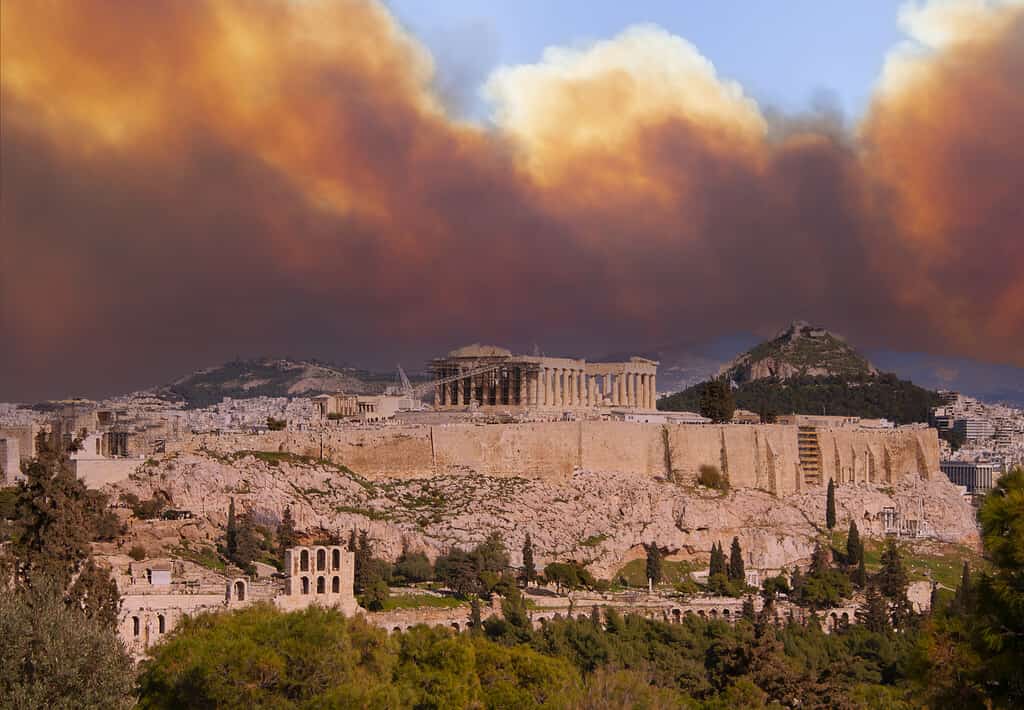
x=415, y=391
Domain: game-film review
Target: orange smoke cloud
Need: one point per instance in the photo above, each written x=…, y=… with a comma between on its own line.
x=187, y=181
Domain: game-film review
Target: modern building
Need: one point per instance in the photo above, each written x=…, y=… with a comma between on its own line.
x=10, y=461
x=975, y=476
x=489, y=376
x=974, y=429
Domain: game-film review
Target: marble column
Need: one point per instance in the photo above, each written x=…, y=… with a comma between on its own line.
x=617, y=389
x=437, y=396
x=522, y=387
x=578, y=380
x=636, y=389
x=446, y=390
x=606, y=388
x=654, y=391
x=594, y=401
x=466, y=384
x=630, y=390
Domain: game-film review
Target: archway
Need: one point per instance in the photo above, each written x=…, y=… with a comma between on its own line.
x=455, y=626
x=336, y=585
x=239, y=591
x=136, y=626
x=677, y=615
x=321, y=585
x=335, y=559
x=161, y=624
x=321, y=560
x=305, y=585
x=304, y=561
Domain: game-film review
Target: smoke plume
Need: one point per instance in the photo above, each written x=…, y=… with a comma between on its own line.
x=184, y=182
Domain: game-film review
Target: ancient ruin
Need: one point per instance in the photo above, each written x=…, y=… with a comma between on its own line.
x=489, y=376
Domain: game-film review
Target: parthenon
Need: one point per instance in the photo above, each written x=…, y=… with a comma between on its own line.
x=489, y=376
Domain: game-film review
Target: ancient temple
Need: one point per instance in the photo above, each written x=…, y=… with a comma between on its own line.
x=489, y=376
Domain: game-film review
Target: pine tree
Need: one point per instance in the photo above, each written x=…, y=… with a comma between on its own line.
x=352, y=544
x=717, y=402
x=231, y=534
x=830, y=505
x=654, y=563
x=55, y=520
x=595, y=616
x=95, y=593
x=736, y=571
x=854, y=550
x=529, y=568
x=247, y=544
x=873, y=614
x=286, y=535
x=819, y=559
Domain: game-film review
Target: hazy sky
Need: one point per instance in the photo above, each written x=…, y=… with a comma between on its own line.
x=182, y=183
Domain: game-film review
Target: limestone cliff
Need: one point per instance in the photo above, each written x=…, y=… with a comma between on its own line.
x=599, y=517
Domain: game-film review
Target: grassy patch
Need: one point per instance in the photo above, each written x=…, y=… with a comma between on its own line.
x=673, y=572
x=594, y=540
x=421, y=601
x=943, y=565
x=204, y=556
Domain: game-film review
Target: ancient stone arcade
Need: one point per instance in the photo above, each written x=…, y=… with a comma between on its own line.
x=322, y=575
x=488, y=376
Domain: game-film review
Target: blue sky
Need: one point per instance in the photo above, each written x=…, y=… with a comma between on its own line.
x=786, y=54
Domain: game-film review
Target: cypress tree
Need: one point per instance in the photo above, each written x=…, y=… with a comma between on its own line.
x=872, y=614
x=286, y=535
x=854, y=548
x=892, y=580
x=352, y=545
x=736, y=570
x=962, y=600
x=529, y=567
x=819, y=559
x=830, y=505
x=474, y=617
x=748, y=608
x=717, y=565
x=231, y=534
x=860, y=575
x=653, y=563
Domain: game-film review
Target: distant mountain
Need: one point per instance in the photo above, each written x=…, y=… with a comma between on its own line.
x=268, y=377
x=801, y=350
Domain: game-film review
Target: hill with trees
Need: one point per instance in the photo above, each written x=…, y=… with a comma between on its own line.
x=807, y=370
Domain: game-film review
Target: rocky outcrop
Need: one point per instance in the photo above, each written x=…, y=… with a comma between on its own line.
x=598, y=517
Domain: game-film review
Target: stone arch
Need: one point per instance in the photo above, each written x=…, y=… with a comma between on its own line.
x=335, y=584
x=321, y=585
x=833, y=620
x=136, y=626
x=702, y=614
x=714, y=613
x=677, y=615
x=397, y=630
x=726, y=613
x=455, y=625
x=239, y=589
x=845, y=618
x=161, y=624
x=304, y=560
x=321, y=559
x=305, y=585
x=336, y=558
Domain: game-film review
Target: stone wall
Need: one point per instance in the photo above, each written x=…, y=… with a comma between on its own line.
x=752, y=456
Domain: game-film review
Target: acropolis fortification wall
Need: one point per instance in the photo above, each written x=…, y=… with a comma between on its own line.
x=755, y=456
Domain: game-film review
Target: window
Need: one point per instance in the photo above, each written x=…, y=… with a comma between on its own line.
x=161, y=624
x=321, y=560
x=336, y=585
x=336, y=559
x=304, y=560
x=136, y=626
x=321, y=585
x=305, y=585
x=239, y=591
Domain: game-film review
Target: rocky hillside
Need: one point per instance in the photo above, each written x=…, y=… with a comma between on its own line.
x=270, y=378
x=801, y=350
x=600, y=518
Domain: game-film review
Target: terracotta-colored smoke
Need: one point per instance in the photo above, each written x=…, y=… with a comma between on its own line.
x=183, y=182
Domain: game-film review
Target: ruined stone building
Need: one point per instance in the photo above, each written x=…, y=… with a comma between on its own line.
x=489, y=376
